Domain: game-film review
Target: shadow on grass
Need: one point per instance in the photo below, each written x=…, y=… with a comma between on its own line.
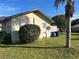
x=75, y=39
x=76, y=34
x=8, y=46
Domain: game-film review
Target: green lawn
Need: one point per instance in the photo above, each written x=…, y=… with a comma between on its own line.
x=51, y=48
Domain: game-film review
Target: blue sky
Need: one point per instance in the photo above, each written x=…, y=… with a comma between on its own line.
x=11, y=7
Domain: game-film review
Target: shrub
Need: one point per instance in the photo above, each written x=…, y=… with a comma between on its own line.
x=29, y=33
x=6, y=38
x=1, y=36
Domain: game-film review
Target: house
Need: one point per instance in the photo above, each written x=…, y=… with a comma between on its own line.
x=75, y=25
x=13, y=23
x=75, y=28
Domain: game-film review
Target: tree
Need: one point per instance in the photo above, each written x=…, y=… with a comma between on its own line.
x=69, y=10
x=75, y=22
x=60, y=21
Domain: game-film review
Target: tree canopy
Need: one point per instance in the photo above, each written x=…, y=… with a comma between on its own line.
x=60, y=21
x=74, y=22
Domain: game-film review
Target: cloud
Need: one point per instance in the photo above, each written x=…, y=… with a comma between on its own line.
x=7, y=9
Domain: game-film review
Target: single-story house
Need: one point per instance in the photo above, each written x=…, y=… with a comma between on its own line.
x=13, y=23
x=75, y=28
x=75, y=25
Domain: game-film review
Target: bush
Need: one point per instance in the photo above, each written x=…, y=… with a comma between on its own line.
x=29, y=33
x=6, y=38
x=1, y=36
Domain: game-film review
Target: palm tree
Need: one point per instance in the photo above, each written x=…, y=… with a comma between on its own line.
x=69, y=10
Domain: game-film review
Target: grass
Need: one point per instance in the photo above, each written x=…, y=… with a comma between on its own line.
x=50, y=48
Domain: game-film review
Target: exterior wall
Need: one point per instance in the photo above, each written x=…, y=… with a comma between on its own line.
x=0, y=27
x=7, y=26
x=31, y=18
x=75, y=28
x=39, y=20
x=54, y=28
x=14, y=30
x=16, y=23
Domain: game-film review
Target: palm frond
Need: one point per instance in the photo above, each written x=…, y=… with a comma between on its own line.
x=57, y=2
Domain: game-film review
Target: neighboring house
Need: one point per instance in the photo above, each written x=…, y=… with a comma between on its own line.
x=13, y=23
x=75, y=28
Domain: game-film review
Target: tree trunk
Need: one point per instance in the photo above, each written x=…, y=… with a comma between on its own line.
x=68, y=32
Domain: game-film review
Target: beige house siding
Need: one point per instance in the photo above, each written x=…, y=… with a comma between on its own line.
x=33, y=19
x=16, y=23
x=14, y=30
x=39, y=21
x=54, y=28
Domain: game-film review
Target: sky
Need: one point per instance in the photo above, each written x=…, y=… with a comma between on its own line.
x=12, y=7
